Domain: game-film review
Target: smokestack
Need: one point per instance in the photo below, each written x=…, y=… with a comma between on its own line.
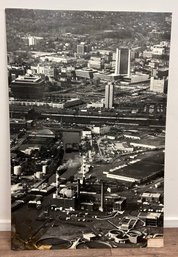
x=57, y=183
x=78, y=188
x=101, y=208
x=44, y=169
x=78, y=193
x=151, y=83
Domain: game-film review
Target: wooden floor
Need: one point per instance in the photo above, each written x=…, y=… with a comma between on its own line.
x=170, y=249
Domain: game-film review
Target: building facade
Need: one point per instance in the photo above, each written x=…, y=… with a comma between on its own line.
x=122, y=65
x=109, y=96
x=28, y=87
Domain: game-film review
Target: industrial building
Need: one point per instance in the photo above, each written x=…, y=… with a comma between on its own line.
x=151, y=197
x=151, y=219
x=134, y=173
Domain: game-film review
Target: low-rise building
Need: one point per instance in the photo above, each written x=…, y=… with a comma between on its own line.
x=100, y=130
x=151, y=219
x=84, y=73
x=158, y=85
x=95, y=63
x=95, y=105
x=43, y=69
x=150, y=197
x=139, y=78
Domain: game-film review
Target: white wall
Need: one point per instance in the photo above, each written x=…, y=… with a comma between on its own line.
x=171, y=176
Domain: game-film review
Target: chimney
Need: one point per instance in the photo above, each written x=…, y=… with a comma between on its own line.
x=78, y=194
x=78, y=188
x=101, y=208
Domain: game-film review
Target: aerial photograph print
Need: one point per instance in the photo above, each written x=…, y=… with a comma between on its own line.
x=87, y=109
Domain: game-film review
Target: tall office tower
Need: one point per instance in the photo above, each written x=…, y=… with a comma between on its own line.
x=122, y=66
x=109, y=95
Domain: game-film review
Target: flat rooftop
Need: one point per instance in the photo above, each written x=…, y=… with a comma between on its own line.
x=27, y=79
x=144, y=168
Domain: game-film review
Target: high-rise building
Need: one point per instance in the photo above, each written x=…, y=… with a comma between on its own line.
x=81, y=48
x=122, y=65
x=109, y=96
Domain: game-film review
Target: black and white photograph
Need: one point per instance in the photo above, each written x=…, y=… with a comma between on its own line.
x=87, y=108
